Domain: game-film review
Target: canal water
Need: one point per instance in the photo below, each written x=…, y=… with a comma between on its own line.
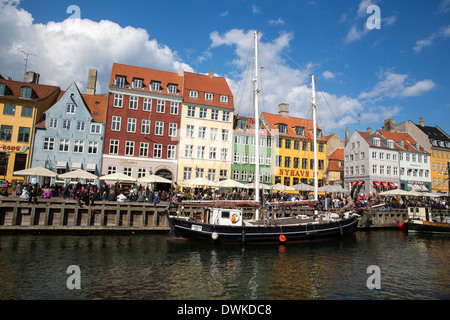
x=411, y=266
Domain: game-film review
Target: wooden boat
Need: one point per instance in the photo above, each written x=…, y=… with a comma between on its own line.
x=422, y=220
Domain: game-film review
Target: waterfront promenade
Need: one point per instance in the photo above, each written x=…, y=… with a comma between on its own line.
x=59, y=215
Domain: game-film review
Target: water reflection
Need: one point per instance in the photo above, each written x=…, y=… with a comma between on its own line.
x=150, y=267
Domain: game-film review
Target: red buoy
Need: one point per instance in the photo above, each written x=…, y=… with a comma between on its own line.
x=402, y=226
x=282, y=238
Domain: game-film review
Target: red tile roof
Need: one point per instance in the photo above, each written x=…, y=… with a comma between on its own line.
x=409, y=143
x=40, y=92
x=334, y=158
x=274, y=119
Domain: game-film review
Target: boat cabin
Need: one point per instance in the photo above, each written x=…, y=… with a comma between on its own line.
x=223, y=217
x=419, y=213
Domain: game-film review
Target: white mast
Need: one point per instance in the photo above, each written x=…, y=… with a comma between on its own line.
x=313, y=105
x=256, y=125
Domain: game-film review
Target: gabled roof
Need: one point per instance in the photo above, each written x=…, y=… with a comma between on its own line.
x=147, y=75
x=13, y=90
x=218, y=86
x=409, y=143
x=274, y=119
x=250, y=126
x=334, y=158
x=436, y=135
x=368, y=137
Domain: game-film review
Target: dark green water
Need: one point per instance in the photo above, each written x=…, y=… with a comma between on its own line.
x=413, y=266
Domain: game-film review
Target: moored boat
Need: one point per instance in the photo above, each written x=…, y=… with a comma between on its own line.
x=421, y=219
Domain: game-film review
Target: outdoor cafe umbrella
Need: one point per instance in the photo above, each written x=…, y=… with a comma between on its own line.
x=303, y=187
x=398, y=192
x=118, y=177
x=261, y=186
x=153, y=178
x=77, y=174
x=282, y=187
x=230, y=183
x=35, y=172
x=200, y=182
x=331, y=188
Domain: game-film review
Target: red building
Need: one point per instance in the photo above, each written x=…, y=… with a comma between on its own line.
x=143, y=122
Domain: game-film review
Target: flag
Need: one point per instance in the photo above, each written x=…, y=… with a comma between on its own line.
x=308, y=135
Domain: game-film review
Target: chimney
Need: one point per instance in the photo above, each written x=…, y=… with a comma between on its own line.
x=421, y=123
x=347, y=138
x=283, y=109
x=389, y=125
x=211, y=73
x=92, y=81
x=32, y=77
x=369, y=130
x=181, y=72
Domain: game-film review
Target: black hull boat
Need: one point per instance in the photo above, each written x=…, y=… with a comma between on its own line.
x=427, y=226
x=421, y=219
x=284, y=230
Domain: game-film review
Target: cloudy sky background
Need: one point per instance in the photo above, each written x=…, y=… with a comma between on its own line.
x=364, y=75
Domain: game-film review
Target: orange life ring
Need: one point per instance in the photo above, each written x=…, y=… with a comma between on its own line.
x=282, y=238
x=234, y=218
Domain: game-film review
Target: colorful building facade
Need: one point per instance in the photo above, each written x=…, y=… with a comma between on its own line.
x=293, y=149
x=22, y=104
x=206, y=134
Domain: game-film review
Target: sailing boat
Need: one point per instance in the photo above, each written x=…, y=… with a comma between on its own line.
x=224, y=220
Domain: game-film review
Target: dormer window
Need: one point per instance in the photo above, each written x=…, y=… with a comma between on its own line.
x=376, y=142
x=120, y=82
x=138, y=83
x=2, y=89
x=224, y=99
x=193, y=94
x=242, y=124
x=156, y=86
x=319, y=133
x=300, y=131
x=208, y=96
x=390, y=144
x=172, y=88
x=282, y=128
x=26, y=92
x=433, y=142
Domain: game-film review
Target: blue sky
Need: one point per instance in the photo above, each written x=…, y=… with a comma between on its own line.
x=365, y=76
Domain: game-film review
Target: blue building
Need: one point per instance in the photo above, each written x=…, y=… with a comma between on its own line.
x=70, y=134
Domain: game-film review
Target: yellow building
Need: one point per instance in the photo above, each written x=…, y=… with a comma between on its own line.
x=22, y=104
x=293, y=160
x=206, y=129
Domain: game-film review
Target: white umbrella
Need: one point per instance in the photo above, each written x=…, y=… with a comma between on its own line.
x=78, y=174
x=229, y=183
x=399, y=192
x=152, y=178
x=261, y=186
x=331, y=188
x=303, y=187
x=35, y=172
x=282, y=187
x=200, y=182
x=119, y=177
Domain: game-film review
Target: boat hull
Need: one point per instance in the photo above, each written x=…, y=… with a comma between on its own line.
x=181, y=228
x=426, y=226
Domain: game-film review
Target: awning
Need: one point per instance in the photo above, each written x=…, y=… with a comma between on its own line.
x=91, y=167
x=392, y=185
x=75, y=166
x=385, y=184
x=378, y=184
x=360, y=183
x=61, y=165
x=354, y=183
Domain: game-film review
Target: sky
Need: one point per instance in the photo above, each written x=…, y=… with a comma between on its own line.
x=391, y=61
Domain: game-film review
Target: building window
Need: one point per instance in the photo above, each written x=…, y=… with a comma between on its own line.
x=157, y=150
x=137, y=83
x=224, y=99
x=193, y=94
x=120, y=82
x=172, y=89
x=143, y=149
x=191, y=111
x=321, y=147
x=287, y=162
x=236, y=175
x=225, y=135
x=70, y=108
x=133, y=103
x=224, y=154
x=174, y=107
x=160, y=106
x=142, y=172
x=202, y=132
x=245, y=157
x=212, y=153
x=53, y=123
x=156, y=86
x=112, y=169
x=118, y=100
x=147, y=104
x=282, y=128
x=27, y=112
x=212, y=174
x=187, y=173
x=300, y=131
x=81, y=125
x=304, y=146
x=26, y=92
x=208, y=96
x=223, y=174
x=200, y=152
x=9, y=109
x=213, y=132
x=66, y=124
x=78, y=146
x=131, y=125
x=49, y=143
x=93, y=147
x=215, y=115
x=159, y=128
x=287, y=143
x=113, y=146
x=188, y=151
x=202, y=113
x=24, y=134
x=237, y=157
x=127, y=171
x=278, y=161
x=226, y=116
x=172, y=129
x=129, y=148
x=115, y=123
x=171, y=151
x=64, y=145
x=189, y=131
x=96, y=128
x=145, y=126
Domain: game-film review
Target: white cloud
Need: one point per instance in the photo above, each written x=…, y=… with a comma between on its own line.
x=256, y=9
x=443, y=33
x=64, y=51
x=328, y=75
x=394, y=85
x=224, y=14
x=277, y=22
x=443, y=7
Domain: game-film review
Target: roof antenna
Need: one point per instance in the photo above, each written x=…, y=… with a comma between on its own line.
x=26, y=63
